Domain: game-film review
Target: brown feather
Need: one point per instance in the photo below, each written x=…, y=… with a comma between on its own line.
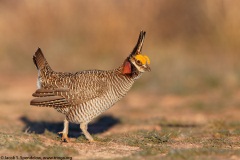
x=39, y=59
x=51, y=101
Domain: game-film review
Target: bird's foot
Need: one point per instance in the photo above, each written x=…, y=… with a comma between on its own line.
x=90, y=139
x=64, y=137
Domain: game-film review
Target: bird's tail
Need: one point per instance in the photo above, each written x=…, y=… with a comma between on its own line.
x=40, y=61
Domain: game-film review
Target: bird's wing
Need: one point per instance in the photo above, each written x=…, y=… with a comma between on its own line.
x=51, y=98
x=79, y=89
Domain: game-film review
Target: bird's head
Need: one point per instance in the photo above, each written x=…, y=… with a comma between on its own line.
x=136, y=60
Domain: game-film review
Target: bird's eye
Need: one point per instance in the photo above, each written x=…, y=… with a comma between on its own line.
x=139, y=62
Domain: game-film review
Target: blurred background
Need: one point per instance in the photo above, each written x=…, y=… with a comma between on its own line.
x=193, y=45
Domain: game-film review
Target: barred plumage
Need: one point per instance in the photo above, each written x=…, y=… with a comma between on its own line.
x=82, y=96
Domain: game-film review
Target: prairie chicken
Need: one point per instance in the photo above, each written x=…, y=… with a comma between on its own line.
x=83, y=95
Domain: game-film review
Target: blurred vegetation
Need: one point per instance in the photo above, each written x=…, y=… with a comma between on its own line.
x=193, y=45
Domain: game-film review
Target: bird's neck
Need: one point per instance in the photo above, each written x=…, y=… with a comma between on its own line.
x=134, y=74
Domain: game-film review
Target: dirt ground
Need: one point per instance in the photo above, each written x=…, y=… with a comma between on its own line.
x=141, y=126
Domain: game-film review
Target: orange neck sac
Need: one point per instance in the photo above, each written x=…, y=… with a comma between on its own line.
x=127, y=68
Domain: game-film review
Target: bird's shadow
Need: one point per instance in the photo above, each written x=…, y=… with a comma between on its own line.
x=101, y=125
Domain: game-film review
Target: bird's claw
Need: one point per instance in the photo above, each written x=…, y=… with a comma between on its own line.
x=64, y=137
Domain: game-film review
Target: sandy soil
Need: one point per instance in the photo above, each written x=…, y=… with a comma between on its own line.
x=135, y=112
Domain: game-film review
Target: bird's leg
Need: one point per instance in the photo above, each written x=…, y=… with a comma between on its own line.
x=65, y=131
x=84, y=127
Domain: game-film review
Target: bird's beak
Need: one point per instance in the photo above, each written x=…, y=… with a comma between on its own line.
x=138, y=48
x=147, y=68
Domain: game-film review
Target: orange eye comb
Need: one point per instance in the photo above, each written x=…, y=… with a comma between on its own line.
x=144, y=59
